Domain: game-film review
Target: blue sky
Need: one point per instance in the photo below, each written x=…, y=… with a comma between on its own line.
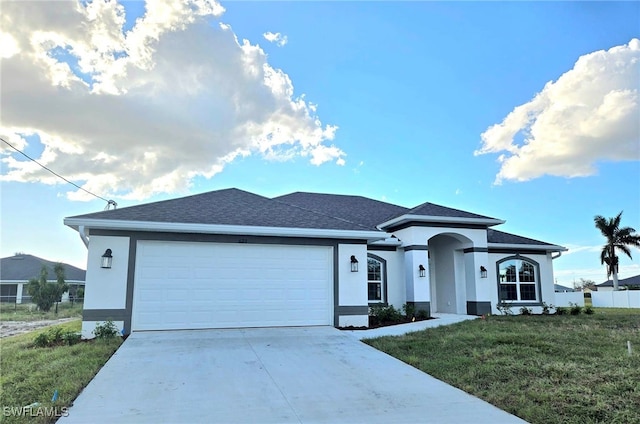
x=389, y=100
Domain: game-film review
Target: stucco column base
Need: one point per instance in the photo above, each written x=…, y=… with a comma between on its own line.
x=475, y=307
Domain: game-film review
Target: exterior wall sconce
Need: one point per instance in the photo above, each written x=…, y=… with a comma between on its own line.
x=422, y=271
x=354, y=264
x=106, y=259
x=483, y=272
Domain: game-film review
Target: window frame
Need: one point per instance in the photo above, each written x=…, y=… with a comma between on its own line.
x=383, y=282
x=537, y=281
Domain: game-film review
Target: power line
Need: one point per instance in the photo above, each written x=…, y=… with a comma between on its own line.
x=109, y=202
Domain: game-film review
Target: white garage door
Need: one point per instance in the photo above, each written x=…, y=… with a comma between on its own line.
x=182, y=285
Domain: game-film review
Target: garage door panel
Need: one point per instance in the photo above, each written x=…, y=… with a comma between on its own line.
x=182, y=285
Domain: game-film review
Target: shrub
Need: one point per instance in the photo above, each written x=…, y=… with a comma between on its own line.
x=546, y=309
x=422, y=314
x=504, y=308
x=41, y=340
x=106, y=330
x=561, y=310
x=525, y=311
x=70, y=338
x=380, y=314
x=588, y=310
x=575, y=309
x=409, y=310
x=56, y=337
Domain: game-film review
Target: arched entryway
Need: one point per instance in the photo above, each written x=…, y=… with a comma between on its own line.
x=447, y=273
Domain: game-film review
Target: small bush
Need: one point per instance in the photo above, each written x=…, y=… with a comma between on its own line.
x=106, y=330
x=409, y=310
x=546, y=309
x=41, y=340
x=525, y=311
x=561, y=310
x=422, y=314
x=588, y=310
x=56, y=337
x=504, y=308
x=575, y=309
x=70, y=338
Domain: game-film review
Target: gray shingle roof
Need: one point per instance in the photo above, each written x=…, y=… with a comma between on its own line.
x=25, y=267
x=296, y=210
x=362, y=210
x=495, y=236
x=229, y=207
x=430, y=209
x=631, y=281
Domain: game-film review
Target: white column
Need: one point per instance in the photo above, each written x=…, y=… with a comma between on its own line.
x=19, y=292
x=418, y=289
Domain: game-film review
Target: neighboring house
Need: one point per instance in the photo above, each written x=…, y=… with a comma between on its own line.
x=17, y=270
x=562, y=289
x=231, y=258
x=632, y=283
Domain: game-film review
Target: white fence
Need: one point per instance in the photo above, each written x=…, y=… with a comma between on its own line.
x=616, y=299
x=566, y=298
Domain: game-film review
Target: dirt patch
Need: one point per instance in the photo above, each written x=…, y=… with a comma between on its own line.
x=13, y=328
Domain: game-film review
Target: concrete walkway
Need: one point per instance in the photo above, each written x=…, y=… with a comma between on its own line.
x=399, y=330
x=268, y=375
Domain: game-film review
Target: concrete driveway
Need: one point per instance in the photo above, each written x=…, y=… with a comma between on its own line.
x=269, y=375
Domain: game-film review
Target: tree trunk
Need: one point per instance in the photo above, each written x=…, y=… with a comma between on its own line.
x=615, y=279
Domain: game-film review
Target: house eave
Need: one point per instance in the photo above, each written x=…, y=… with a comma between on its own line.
x=514, y=246
x=489, y=222
x=177, y=227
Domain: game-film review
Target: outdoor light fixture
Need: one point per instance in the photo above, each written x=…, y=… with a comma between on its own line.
x=354, y=264
x=422, y=270
x=107, y=259
x=483, y=272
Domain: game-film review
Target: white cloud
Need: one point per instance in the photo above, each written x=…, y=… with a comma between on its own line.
x=131, y=114
x=589, y=114
x=277, y=38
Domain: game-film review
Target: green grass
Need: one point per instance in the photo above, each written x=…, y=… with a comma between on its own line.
x=544, y=369
x=29, y=374
x=28, y=312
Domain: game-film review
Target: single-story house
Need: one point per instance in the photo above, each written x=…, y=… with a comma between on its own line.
x=562, y=289
x=17, y=270
x=632, y=283
x=230, y=258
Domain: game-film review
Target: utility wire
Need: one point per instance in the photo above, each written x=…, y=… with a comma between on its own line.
x=109, y=202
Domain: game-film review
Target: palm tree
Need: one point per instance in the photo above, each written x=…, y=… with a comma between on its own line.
x=617, y=238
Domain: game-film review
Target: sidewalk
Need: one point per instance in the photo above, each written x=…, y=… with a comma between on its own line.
x=399, y=330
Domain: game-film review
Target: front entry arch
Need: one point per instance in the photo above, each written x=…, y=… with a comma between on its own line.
x=447, y=273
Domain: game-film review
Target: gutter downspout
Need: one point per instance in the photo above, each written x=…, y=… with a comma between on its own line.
x=556, y=257
x=84, y=235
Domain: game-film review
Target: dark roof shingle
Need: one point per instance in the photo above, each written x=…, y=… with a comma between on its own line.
x=495, y=236
x=228, y=207
x=357, y=209
x=22, y=267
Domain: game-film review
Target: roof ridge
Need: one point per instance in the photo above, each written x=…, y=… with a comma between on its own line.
x=322, y=214
x=447, y=207
x=344, y=195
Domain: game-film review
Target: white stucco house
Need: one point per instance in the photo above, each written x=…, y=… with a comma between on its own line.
x=230, y=258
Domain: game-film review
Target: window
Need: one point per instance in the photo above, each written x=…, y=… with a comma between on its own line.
x=518, y=280
x=375, y=276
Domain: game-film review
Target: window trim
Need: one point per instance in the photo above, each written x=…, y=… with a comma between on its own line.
x=383, y=283
x=538, y=281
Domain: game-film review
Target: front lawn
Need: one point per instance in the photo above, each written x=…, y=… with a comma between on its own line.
x=544, y=369
x=30, y=374
x=28, y=312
